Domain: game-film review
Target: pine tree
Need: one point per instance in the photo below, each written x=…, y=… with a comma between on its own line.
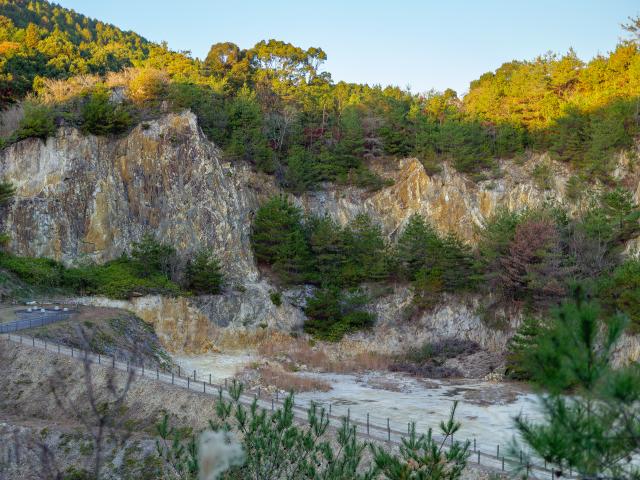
x=524, y=340
x=278, y=239
x=327, y=242
x=203, y=273
x=415, y=247
x=593, y=431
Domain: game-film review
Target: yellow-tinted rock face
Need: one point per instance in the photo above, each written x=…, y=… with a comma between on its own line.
x=91, y=197
x=450, y=201
x=85, y=196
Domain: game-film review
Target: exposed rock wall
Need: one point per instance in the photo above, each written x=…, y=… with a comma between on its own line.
x=189, y=324
x=90, y=197
x=453, y=316
x=450, y=200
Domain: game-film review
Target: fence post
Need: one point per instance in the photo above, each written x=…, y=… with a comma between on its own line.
x=367, y=423
x=194, y=375
x=204, y=387
x=33, y=341
x=188, y=383
x=272, y=404
x=474, y=444
x=258, y=392
x=329, y=408
x=388, y=430
x=178, y=370
x=348, y=414
x=498, y=450
x=478, y=457
x=209, y=379
x=503, y=464
x=157, y=374
x=171, y=378
x=58, y=348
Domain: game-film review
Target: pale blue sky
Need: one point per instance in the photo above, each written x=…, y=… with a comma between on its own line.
x=425, y=44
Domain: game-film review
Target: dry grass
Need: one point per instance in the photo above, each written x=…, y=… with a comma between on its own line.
x=338, y=358
x=341, y=357
x=60, y=91
x=291, y=382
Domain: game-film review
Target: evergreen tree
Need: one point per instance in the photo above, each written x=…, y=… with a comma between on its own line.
x=244, y=131
x=524, y=340
x=7, y=192
x=415, y=247
x=101, y=117
x=278, y=239
x=593, y=431
x=327, y=243
x=203, y=273
x=365, y=252
x=152, y=257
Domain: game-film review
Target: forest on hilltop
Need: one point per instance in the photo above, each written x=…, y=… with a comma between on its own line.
x=274, y=106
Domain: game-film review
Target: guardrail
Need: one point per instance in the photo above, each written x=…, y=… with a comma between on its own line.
x=366, y=428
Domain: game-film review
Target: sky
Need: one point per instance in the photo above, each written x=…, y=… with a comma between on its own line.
x=423, y=45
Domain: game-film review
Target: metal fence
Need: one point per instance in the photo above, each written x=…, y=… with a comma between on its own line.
x=497, y=460
x=34, y=319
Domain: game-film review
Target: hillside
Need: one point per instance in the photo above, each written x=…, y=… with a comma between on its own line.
x=317, y=202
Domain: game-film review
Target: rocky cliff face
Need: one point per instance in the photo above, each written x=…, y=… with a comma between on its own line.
x=90, y=197
x=450, y=200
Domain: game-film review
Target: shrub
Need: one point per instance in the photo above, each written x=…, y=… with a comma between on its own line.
x=101, y=117
x=152, y=257
x=38, y=122
x=276, y=446
x=121, y=279
x=148, y=85
x=41, y=272
x=620, y=292
x=203, y=274
x=331, y=314
x=206, y=104
x=276, y=298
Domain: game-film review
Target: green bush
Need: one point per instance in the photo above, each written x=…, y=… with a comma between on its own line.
x=41, y=272
x=203, y=274
x=152, y=257
x=38, y=122
x=119, y=279
x=620, y=292
x=331, y=314
x=276, y=298
x=102, y=117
